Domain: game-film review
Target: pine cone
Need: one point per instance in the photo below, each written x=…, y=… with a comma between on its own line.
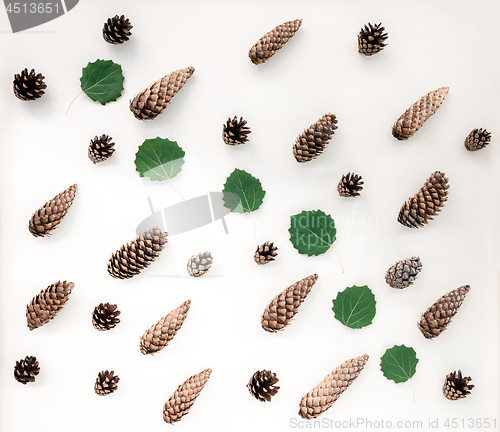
x=455, y=387
x=49, y=216
x=477, y=139
x=280, y=311
x=117, y=30
x=46, y=305
x=324, y=395
x=183, y=398
x=435, y=319
x=415, y=116
x=403, y=273
x=105, y=316
x=265, y=253
x=273, y=41
x=350, y=185
x=161, y=333
x=101, y=149
x=235, y=132
x=371, y=39
x=29, y=86
x=152, y=101
x=426, y=203
x=106, y=383
x=198, y=265
x=262, y=385
x=311, y=143
x=132, y=258
x=26, y=370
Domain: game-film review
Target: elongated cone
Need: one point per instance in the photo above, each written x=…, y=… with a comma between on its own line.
x=415, y=116
x=282, y=308
x=313, y=140
x=324, y=395
x=161, y=333
x=183, y=398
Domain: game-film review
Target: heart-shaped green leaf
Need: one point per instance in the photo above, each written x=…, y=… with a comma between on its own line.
x=159, y=159
x=102, y=81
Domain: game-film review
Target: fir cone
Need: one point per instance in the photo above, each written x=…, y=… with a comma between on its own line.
x=161, y=333
x=280, y=311
x=350, y=185
x=105, y=317
x=324, y=395
x=371, y=39
x=427, y=202
x=415, y=116
x=183, y=398
x=435, y=320
x=46, y=305
x=477, y=139
x=265, y=253
x=456, y=387
x=403, y=273
x=152, y=101
x=116, y=30
x=234, y=132
x=311, y=143
x=26, y=370
x=101, y=149
x=106, y=383
x=198, y=265
x=132, y=258
x=262, y=386
x=49, y=216
x=29, y=86
x=273, y=41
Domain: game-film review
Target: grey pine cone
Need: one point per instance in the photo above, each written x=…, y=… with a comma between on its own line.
x=477, y=139
x=198, y=265
x=403, y=273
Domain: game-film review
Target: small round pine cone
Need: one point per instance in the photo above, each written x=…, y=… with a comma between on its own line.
x=101, y=148
x=371, y=39
x=29, y=86
x=477, y=139
x=116, y=30
x=234, y=132
x=265, y=253
x=262, y=385
x=26, y=370
x=198, y=265
x=105, y=317
x=350, y=185
x=106, y=383
x=456, y=387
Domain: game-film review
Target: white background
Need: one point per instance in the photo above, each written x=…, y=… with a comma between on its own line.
x=43, y=150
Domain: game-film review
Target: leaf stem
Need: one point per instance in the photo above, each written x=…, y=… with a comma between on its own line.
x=253, y=223
x=73, y=101
x=340, y=262
x=412, y=392
x=341, y=335
x=175, y=189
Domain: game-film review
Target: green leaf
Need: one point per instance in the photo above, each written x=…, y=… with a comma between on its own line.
x=102, y=81
x=159, y=159
x=312, y=232
x=355, y=306
x=399, y=363
x=242, y=192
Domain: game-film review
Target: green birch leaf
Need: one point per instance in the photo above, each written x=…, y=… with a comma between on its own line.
x=159, y=159
x=399, y=363
x=102, y=81
x=312, y=232
x=242, y=192
x=355, y=306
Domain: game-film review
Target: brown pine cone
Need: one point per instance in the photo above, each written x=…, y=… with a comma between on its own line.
x=101, y=149
x=456, y=387
x=106, y=383
x=46, y=305
x=198, y=265
x=477, y=139
x=262, y=385
x=313, y=140
x=29, y=86
x=105, y=316
x=234, y=132
x=116, y=30
x=350, y=185
x=403, y=273
x=280, y=311
x=371, y=39
x=26, y=370
x=265, y=253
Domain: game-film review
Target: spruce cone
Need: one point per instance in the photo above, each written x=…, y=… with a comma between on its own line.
x=235, y=132
x=456, y=387
x=49, y=216
x=161, y=333
x=311, y=143
x=371, y=39
x=46, y=305
x=403, y=273
x=152, y=101
x=350, y=185
x=116, y=30
x=106, y=383
x=477, y=139
x=273, y=41
x=426, y=203
x=262, y=385
x=105, y=316
x=132, y=258
x=415, y=116
x=29, y=86
x=101, y=149
x=26, y=370
x=435, y=319
x=183, y=398
x=280, y=311
x=198, y=265
x=265, y=253
x=324, y=395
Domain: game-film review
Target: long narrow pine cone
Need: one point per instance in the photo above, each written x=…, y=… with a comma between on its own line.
x=426, y=203
x=235, y=132
x=350, y=185
x=26, y=370
x=456, y=387
x=415, y=116
x=200, y=264
x=131, y=259
x=29, y=86
x=273, y=41
x=101, y=148
x=183, y=398
x=105, y=317
x=46, y=305
x=313, y=140
x=116, y=30
x=262, y=386
x=162, y=332
x=371, y=39
x=106, y=383
x=324, y=395
x=280, y=311
x=477, y=139
x=435, y=320
x=152, y=101
x=49, y=216
x=265, y=253
x=403, y=273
